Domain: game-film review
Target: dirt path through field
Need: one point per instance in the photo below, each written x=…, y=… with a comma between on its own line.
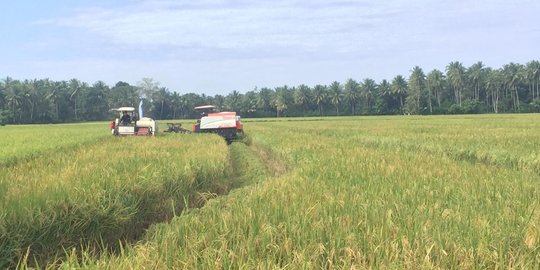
x=274, y=165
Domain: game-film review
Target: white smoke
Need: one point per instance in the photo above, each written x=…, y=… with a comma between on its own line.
x=141, y=109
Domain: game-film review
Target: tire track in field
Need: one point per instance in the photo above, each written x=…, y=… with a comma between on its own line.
x=250, y=164
x=276, y=166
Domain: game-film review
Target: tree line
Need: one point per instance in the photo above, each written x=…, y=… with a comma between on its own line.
x=456, y=90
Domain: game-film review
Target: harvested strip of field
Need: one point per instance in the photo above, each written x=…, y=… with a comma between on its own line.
x=274, y=165
x=195, y=229
x=98, y=195
x=23, y=142
x=248, y=167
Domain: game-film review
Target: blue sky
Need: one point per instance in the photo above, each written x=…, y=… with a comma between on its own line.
x=212, y=46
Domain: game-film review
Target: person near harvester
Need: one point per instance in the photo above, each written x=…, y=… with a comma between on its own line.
x=126, y=119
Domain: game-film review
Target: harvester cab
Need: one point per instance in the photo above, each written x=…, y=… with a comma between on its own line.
x=226, y=124
x=129, y=124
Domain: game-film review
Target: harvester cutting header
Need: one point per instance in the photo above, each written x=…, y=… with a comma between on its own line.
x=226, y=124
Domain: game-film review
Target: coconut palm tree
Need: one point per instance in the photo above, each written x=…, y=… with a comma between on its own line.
x=4, y=85
x=417, y=86
x=74, y=87
x=494, y=84
x=175, y=103
x=302, y=96
x=249, y=103
x=264, y=99
x=351, y=94
x=435, y=85
x=30, y=95
x=14, y=97
x=512, y=74
x=336, y=95
x=399, y=88
x=455, y=72
x=386, y=96
x=282, y=99
x=369, y=88
x=533, y=78
x=319, y=97
x=476, y=76
x=233, y=100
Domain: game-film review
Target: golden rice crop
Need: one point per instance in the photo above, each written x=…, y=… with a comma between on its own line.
x=27, y=141
x=448, y=192
x=97, y=195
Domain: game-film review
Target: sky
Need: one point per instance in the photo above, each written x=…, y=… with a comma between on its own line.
x=214, y=47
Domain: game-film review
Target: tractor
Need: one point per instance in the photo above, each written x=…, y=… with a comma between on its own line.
x=128, y=124
x=226, y=124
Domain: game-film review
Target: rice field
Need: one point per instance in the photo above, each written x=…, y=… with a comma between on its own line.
x=98, y=195
x=27, y=141
x=445, y=192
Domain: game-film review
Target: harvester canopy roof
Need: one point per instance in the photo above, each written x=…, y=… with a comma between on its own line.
x=204, y=107
x=125, y=109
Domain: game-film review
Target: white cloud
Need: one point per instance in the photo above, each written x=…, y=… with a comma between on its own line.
x=237, y=44
x=303, y=25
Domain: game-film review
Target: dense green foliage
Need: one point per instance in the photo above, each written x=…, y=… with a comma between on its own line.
x=457, y=90
x=395, y=192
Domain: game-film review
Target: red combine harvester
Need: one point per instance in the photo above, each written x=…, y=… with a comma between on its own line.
x=226, y=124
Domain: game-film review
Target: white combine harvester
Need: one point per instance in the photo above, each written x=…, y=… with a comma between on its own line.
x=128, y=124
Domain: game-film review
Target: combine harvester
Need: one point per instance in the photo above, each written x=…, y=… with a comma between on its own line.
x=226, y=124
x=128, y=124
